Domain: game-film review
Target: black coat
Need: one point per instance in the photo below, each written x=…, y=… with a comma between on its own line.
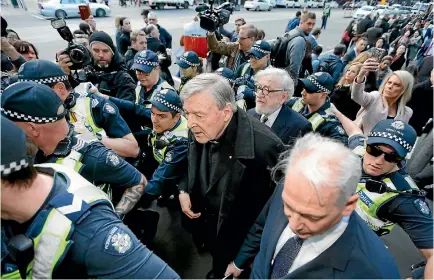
x=364, y=25
x=422, y=104
x=243, y=174
x=288, y=126
x=129, y=61
x=157, y=47
x=123, y=41
x=341, y=97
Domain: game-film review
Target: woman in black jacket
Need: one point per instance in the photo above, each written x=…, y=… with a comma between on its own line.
x=398, y=59
x=123, y=40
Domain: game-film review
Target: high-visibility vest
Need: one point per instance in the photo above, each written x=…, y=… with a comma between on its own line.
x=53, y=242
x=81, y=116
x=369, y=202
x=181, y=131
x=163, y=85
x=316, y=119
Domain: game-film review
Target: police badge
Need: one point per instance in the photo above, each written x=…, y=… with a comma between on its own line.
x=398, y=125
x=112, y=159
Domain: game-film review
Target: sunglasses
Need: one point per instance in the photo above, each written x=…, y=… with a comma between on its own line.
x=376, y=152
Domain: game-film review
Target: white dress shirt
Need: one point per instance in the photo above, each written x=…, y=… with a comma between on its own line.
x=313, y=246
x=272, y=117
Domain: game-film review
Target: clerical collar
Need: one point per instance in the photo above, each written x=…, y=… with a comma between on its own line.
x=229, y=133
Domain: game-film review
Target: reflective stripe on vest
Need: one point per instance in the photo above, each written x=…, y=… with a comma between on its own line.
x=245, y=69
x=316, y=119
x=73, y=160
x=242, y=104
x=83, y=110
x=180, y=131
x=52, y=243
x=298, y=105
x=359, y=150
x=160, y=86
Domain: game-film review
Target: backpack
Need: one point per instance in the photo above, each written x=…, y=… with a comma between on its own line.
x=326, y=66
x=278, y=50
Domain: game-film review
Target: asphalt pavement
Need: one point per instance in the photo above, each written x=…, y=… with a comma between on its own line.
x=172, y=242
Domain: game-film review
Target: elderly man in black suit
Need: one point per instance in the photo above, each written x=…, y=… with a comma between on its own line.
x=309, y=228
x=273, y=87
x=229, y=159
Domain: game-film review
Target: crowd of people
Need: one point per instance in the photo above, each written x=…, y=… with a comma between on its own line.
x=276, y=156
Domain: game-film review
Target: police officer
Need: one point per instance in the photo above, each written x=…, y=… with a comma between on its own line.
x=387, y=145
x=168, y=138
x=244, y=94
x=88, y=113
x=41, y=114
x=259, y=55
x=108, y=70
x=190, y=65
x=314, y=104
x=55, y=224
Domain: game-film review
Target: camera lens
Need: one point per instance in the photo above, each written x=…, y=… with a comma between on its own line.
x=76, y=55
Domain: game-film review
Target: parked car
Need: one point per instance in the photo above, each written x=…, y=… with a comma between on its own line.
x=257, y=5
x=69, y=8
x=314, y=3
x=160, y=4
x=333, y=4
x=390, y=13
x=419, y=8
x=363, y=12
x=288, y=3
x=379, y=9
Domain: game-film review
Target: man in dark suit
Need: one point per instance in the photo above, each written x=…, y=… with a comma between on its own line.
x=309, y=229
x=228, y=180
x=354, y=52
x=273, y=87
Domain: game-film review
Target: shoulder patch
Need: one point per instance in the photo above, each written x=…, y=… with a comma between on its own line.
x=112, y=159
x=340, y=130
x=118, y=241
x=94, y=102
x=168, y=134
x=168, y=157
x=109, y=109
x=422, y=206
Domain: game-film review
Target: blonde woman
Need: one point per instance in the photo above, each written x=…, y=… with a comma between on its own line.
x=389, y=102
x=118, y=24
x=341, y=95
x=361, y=58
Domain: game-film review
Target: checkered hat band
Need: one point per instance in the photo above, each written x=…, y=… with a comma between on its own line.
x=323, y=89
x=188, y=62
x=146, y=62
x=393, y=137
x=44, y=81
x=260, y=50
x=6, y=169
x=22, y=117
x=167, y=104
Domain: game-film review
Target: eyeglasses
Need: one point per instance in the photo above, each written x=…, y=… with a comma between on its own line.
x=265, y=90
x=376, y=152
x=243, y=38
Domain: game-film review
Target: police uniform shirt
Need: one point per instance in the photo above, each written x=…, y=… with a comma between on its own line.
x=240, y=68
x=106, y=116
x=411, y=213
x=146, y=95
x=171, y=169
x=100, y=164
x=331, y=127
x=103, y=247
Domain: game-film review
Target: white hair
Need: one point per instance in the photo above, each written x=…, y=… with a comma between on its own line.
x=152, y=14
x=215, y=85
x=324, y=162
x=286, y=82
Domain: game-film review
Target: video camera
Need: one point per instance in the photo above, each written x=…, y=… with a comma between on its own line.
x=213, y=18
x=79, y=54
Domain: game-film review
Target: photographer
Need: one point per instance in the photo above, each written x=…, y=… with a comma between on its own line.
x=108, y=70
x=237, y=53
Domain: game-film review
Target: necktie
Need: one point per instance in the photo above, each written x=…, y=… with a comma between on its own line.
x=264, y=119
x=286, y=256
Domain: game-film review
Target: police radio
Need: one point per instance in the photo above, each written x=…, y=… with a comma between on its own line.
x=381, y=187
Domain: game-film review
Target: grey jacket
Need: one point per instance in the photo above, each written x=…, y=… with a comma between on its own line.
x=295, y=53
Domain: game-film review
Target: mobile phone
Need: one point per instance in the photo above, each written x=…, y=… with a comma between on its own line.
x=84, y=11
x=378, y=54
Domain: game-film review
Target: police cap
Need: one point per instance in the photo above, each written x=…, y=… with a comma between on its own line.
x=226, y=73
x=318, y=82
x=260, y=49
x=31, y=102
x=13, y=148
x=145, y=61
x=42, y=72
x=397, y=134
x=166, y=100
x=188, y=59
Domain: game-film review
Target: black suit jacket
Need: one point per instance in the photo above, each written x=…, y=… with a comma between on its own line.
x=288, y=126
x=243, y=173
x=358, y=252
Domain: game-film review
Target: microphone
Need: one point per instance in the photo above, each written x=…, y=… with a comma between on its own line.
x=381, y=187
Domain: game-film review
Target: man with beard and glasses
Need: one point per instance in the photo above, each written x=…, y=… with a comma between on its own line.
x=108, y=66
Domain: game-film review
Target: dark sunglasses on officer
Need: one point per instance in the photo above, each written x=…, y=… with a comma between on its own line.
x=375, y=151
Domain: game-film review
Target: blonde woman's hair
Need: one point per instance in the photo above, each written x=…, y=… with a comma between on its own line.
x=408, y=81
x=118, y=22
x=342, y=80
x=361, y=58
